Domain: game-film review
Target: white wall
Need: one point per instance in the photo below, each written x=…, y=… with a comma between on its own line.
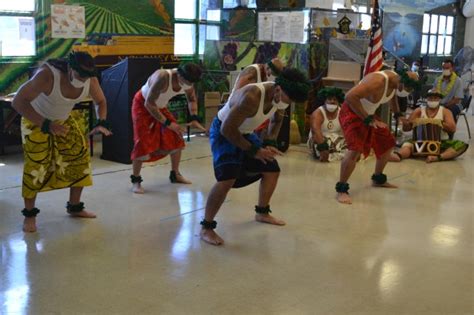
x=469, y=34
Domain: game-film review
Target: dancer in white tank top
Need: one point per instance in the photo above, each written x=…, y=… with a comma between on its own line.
x=156, y=132
x=55, y=146
x=239, y=156
x=363, y=131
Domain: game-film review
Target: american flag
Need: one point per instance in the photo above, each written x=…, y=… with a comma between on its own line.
x=374, y=58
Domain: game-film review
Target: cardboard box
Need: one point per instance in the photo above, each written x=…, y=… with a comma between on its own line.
x=212, y=101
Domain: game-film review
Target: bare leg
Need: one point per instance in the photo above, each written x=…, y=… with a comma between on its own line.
x=380, y=166
x=175, y=159
x=348, y=165
x=74, y=199
x=267, y=187
x=404, y=153
x=214, y=202
x=137, y=167
x=29, y=224
x=449, y=154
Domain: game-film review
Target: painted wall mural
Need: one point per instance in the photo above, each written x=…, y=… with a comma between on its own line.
x=139, y=17
x=402, y=34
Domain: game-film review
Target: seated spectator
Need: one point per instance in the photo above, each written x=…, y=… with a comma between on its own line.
x=326, y=140
x=450, y=149
x=450, y=85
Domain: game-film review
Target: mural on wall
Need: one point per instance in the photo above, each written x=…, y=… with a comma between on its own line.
x=140, y=17
x=403, y=23
x=402, y=34
x=238, y=25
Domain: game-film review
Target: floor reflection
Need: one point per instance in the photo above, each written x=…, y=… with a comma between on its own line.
x=15, y=284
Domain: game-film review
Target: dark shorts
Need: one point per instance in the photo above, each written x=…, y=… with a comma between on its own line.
x=230, y=162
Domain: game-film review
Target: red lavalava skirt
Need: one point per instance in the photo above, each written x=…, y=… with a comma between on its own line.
x=362, y=138
x=152, y=140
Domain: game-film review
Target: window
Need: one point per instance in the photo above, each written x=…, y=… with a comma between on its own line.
x=17, y=28
x=437, y=35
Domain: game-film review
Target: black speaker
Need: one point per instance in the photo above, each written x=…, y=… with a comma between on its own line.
x=120, y=83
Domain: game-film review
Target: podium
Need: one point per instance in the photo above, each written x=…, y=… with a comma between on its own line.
x=120, y=83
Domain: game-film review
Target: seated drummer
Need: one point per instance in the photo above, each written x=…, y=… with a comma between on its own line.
x=450, y=149
x=325, y=139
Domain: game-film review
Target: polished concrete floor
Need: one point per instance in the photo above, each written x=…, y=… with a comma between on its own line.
x=403, y=251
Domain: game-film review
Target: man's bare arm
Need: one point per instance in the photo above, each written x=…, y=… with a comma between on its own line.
x=316, y=123
x=275, y=124
x=41, y=82
x=247, y=76
x=153, y=94
x=192, y=100
x=448, y=122
x=97, y=95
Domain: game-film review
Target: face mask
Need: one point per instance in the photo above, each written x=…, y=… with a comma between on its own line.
x=331, y=107
x=432, y=104
x=415, y=68
x=280, y=104
x=446, y=72
x=184, y=86
x=78, y=84
x=402, y=93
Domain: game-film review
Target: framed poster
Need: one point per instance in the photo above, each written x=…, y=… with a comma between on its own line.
x=68, y=21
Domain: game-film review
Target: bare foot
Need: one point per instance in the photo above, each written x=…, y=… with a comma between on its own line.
x=82, y=214
x=181, y=180
x=138, y=189
x=29, y=225
x=431, y=159
x=211, y=237
x=386, y=185
x=344, y=198
x=267, y=218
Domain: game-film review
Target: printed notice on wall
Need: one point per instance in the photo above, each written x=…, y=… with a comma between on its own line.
x=265, y=26
x=282, y=26
x=68, y=21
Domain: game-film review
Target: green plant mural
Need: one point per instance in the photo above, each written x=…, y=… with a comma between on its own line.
x=140, y=17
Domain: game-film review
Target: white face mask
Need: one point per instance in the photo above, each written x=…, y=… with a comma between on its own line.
x=415, y=68
x=184, y=86
x=446, y=72
x=78, y=84
x=331, y=107
x=402, y=93
x=432, y=104
x=280, y=104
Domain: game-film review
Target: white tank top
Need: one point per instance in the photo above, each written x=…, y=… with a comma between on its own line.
x=164, y=97
x=439, y=115
x=330, y=125
x=55, y=106
x=370, y=107
x=251, y=123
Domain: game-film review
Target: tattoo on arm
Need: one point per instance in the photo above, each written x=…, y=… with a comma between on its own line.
x=275, y=124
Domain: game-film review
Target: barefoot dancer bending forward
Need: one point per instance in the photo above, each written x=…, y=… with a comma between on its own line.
x=156, y=133
x=55, y=148
x=364, y=131
x=239, y=158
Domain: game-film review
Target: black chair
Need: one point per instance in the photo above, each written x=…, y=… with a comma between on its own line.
x=465, y=107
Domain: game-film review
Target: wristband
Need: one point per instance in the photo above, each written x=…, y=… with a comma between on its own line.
x=167, y=122
x=253, y=150
x=322, y=146
x=194, y=117
x=45, y=126
x=104, y=123
x=368, y=120
x=270, y=143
